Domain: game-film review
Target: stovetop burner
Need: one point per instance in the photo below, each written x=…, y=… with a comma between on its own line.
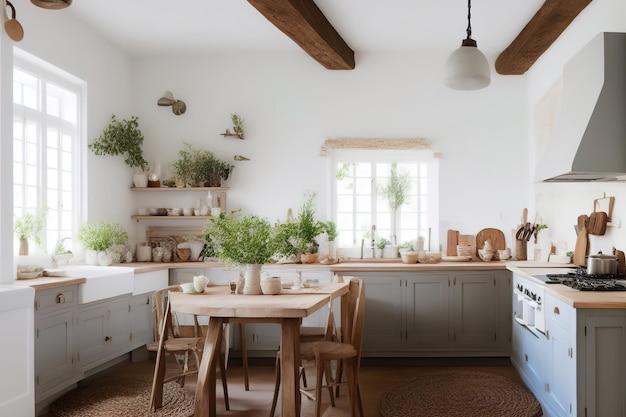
x=580, y=280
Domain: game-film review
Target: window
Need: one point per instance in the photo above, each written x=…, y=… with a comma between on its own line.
x=360, y=181
x=46, y=147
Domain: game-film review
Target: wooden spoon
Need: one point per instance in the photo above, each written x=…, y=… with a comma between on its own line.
x=12, y=27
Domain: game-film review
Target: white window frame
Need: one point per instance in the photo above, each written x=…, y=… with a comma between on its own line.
x=427, y=157
x=51, y=74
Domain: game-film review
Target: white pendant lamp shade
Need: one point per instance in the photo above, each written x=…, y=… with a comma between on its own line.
x=467, y=68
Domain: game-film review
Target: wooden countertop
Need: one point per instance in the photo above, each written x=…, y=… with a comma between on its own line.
x=572, y=297
x=44, y=283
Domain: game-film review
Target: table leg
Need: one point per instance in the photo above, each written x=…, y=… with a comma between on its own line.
x=205, y=389
x=290, y=367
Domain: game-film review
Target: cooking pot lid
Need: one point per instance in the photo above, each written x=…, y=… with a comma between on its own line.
x=600, y=255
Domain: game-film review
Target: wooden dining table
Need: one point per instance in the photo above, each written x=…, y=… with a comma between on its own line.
x=287, y=308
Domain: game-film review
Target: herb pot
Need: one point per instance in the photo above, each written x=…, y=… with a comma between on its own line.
x=601, y=264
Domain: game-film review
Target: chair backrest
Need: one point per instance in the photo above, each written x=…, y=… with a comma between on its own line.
x=356, y=314
x=160, y=304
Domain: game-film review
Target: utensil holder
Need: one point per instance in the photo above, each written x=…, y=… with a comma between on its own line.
x=520, y=250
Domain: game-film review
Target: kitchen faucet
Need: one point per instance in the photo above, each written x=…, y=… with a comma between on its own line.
x=373, y=240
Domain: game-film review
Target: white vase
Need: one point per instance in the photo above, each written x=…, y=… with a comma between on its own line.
x=140, y=180
x=252, y=279
x=104, y=258
x=91, y=257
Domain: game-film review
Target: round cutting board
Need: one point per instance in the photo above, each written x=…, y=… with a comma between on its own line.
x=498, y=242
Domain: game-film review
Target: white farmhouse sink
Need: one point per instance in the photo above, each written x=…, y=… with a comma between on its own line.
x=102, y=281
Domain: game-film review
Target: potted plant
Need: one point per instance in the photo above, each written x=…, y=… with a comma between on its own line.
x=97, y=238
x=199, y=167
x=381, y=244
x=29, y=226
x=248, y=241
x=123, y=137
x=306, y=229
x=330, y=228
x=61, y=255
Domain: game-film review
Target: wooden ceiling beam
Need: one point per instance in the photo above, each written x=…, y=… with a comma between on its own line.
x=307, y=26
x=540, y=32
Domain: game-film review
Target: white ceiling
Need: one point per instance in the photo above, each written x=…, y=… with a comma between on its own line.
x=148, y=27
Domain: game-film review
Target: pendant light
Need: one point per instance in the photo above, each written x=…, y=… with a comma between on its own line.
x=467, y=68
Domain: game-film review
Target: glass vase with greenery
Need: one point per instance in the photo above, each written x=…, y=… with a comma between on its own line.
x=29, y=226
x=396, y=192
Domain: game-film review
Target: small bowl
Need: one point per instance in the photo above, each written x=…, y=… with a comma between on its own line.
x=409, y=257
x=271, y=285
x=429, y=257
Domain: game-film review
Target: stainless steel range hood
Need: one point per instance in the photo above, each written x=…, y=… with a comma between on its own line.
x=589, y=139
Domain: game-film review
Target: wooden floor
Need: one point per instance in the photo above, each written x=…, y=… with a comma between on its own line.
x=377, y=375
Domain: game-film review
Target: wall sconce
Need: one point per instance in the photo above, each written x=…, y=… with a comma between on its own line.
x=178, y=106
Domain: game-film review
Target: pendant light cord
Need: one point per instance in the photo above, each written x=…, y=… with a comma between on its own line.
x=469, y=17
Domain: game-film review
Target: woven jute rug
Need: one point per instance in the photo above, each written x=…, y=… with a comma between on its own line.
x=459, y=393
x=122, y=396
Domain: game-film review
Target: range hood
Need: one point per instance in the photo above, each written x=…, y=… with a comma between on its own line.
x=589, y=137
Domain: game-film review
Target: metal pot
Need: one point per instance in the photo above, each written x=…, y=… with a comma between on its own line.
x=601, y=264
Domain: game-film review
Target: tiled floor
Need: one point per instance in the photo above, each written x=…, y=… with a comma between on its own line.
x=376, y=377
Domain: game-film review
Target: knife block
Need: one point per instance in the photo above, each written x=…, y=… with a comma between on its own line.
x=520, y=250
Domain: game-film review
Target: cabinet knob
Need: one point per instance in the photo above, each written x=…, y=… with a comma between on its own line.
x=107, y=338
x=556, y=310
x=60, y=298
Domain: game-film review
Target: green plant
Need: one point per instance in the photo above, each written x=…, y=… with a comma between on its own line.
x=397, y=189
x=102, y=235
x=330, y=227
x=307, y=227
x=247, y=240
x=382, y=242
x=59, y=248
x=237, y=124
x=31, y=224
x=198, y=166
x=122, y=138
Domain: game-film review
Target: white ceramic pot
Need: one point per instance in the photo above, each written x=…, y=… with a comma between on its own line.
x=140, y=180
x=91, y=257
x=143, y=253
x=200, y=282
x=195, y=246
x=104, y=258
x=252, y=279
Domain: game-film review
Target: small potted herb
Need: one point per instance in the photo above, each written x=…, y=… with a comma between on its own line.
x=29, y=226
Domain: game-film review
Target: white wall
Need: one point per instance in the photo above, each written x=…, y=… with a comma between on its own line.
x=560, y=204
x=291, y=104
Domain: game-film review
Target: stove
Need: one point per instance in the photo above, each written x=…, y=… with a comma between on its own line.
x=580, y=280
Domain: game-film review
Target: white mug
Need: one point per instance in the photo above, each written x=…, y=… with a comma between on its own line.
x=504, y=254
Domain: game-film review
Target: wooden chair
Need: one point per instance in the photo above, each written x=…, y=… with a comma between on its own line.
x=346, y=352
x=178, y=346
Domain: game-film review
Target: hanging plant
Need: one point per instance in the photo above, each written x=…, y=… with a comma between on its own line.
x=122, y=138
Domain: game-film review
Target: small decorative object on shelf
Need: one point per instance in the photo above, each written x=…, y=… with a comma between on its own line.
x=237, y=127
x=153, y=180
x=241, y=158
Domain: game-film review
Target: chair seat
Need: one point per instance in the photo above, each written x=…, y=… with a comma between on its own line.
x=333, y=350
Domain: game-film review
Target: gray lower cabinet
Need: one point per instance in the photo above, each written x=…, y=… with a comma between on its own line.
x=435, y=313
x=104, y=331
x=578, y=368
x=55, y=357
x=71, y=339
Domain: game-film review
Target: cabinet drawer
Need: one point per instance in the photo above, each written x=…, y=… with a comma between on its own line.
x=558, y=312
x=54, y=299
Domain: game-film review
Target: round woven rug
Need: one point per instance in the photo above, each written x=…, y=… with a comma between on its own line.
x=459, y=393
x=122, y=396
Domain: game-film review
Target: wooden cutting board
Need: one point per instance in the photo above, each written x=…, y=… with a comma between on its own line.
x=597, y=223
x=496, y=236
x=468, y=240
x=621, y=261
x=580, y=251
x=453, y=240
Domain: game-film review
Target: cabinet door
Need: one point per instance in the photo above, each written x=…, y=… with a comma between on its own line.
x=561, y=378
x=92, y=331
x=54, y=350
x=427, y=310
x=119, y=324
x=475, y=301
x=141, y=320
x=383, y=325
x=605, y=365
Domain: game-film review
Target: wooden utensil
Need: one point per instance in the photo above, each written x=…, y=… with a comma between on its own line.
x=582, y=222
x=580, y=251
x=597, y=223
x=12, y=27
x=453, y=240
x=496, y=236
